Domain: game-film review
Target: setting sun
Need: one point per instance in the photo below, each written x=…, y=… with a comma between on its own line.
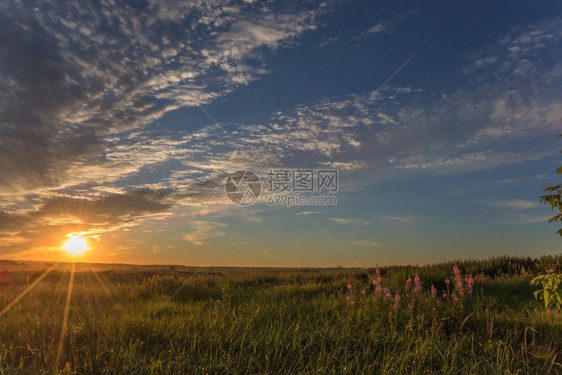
x=76, y=245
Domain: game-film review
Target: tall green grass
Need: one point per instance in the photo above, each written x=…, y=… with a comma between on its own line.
x=281, y=321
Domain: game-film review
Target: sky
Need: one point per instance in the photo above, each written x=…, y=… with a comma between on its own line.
x=121, y=122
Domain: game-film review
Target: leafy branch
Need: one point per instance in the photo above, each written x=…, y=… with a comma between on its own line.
x=550, y=294
x=554, y=199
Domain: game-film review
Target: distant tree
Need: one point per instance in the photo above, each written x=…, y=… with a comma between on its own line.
x=554, y=198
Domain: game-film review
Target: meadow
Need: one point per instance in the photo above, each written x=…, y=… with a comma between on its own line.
x=462, y=317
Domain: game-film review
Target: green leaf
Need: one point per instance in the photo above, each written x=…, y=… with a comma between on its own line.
x=537, y=280
x=546, y=297
x=555, y=217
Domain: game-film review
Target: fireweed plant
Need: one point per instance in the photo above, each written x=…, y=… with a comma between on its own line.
x=412, y=300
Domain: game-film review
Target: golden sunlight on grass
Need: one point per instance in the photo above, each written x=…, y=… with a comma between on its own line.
x=75, y=245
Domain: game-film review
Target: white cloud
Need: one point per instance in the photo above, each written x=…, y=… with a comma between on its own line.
x=352, y=166
x=309, y=213
x=382, y=27
x=470, y=128
x=203, y=230
x=388, y=26
x=522, y=218
x=122, y=77
x=350, y=221
x=402, y=219
x=515, y=204
x=327, y=41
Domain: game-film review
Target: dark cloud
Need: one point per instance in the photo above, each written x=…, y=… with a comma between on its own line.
x=72, y=75
x=109, y=209
x=34, y=146
x=10, y=222
x=57, y=216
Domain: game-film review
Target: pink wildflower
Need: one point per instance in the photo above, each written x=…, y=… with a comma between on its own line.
x=347, y=298
x=396, y=302
x=349, y=287
x=433, y=290
x=417, y=284
x=460, y=287
x=352, y=303
x=363, y=292
x=470, y=283
x=387, y=291
x=456, y=270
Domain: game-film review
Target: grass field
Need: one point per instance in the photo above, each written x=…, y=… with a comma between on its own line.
x=280, y=321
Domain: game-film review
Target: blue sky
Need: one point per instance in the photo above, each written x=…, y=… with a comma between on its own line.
x=120, y=122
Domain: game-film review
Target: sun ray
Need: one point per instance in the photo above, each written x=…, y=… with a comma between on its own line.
x=27, y=290
x=64, y=327
x=103, y=285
